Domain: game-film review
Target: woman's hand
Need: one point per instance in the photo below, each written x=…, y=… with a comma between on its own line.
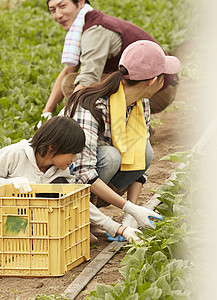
x=129, y=233
x=141, y=214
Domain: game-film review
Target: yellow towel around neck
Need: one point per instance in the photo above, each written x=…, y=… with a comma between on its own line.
x=129, y=138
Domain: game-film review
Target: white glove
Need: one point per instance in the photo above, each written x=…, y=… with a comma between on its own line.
x=130, y=234
x=22, y=184
x=141, y=214
x=129, y=220
x=46, y=115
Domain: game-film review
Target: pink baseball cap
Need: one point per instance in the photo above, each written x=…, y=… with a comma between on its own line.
x=144, y=59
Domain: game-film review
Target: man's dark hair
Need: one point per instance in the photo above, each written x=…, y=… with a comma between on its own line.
x=62, y=133
x=74, y=1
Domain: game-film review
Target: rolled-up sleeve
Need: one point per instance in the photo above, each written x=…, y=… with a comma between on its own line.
x=146, y=107
x=9, y=159
x=85, y=166
x=97, y=45
x=103, y=221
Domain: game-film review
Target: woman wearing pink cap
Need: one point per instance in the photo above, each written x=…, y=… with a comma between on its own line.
x=114, y=115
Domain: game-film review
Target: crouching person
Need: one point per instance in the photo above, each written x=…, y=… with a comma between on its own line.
x=46, y=158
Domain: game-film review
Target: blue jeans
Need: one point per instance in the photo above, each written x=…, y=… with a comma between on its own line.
x=109, y=162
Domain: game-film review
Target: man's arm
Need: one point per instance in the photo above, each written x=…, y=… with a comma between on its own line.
x=56, y=95
x=97, y=45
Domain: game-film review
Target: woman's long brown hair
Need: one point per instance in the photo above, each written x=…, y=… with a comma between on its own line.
x=88, y=96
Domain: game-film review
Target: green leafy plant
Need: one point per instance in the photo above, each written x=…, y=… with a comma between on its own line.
x=15, y=292
x=51, y=297
x=157, y=267
x=155, y=122
x=169, y=22
x=29, y=59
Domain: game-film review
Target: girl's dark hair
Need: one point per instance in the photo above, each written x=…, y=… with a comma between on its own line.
x=63, y=134
x=88, y=96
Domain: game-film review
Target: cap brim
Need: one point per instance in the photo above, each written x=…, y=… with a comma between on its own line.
x=172, y=65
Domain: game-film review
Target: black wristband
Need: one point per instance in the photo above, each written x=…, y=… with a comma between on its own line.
x=93, y=180
x=141, y=179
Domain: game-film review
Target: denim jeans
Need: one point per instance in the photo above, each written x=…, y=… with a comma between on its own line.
x=109, y=162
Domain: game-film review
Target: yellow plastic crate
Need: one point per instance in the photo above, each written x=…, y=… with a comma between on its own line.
x=45, y=232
